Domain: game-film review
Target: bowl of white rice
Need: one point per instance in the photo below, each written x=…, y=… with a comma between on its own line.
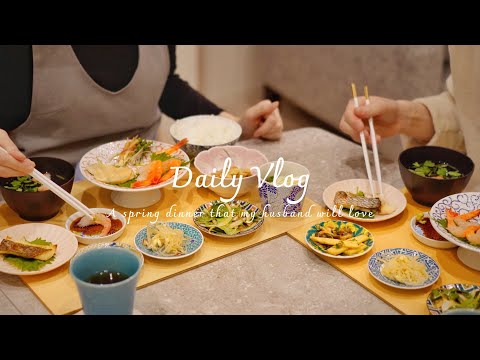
x=204, y=132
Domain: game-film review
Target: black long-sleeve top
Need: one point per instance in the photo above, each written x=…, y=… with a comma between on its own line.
x=111, y=66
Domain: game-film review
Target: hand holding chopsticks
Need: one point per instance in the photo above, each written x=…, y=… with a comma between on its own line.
x=57, y=190
x=365, y=148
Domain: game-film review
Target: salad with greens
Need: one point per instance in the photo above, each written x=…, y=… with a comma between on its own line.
x=440, y=170
x=228, y=218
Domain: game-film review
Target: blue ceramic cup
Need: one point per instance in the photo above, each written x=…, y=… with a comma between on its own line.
x=109, y=299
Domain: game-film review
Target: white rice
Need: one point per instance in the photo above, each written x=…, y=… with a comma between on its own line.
x=206, y=130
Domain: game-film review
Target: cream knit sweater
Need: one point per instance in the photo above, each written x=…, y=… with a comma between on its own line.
x=456, y=112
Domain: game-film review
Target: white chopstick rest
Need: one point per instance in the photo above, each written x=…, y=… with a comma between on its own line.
x=364, y=145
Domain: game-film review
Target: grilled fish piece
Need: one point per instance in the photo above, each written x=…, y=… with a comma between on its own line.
x=361, y=203
x=27, y=250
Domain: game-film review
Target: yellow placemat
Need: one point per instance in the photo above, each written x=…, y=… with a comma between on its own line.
x=396, y=233
x=56, y=289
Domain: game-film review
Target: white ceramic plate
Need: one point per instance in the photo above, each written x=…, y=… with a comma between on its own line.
x=420, y=236
x=106, y=152
x=66, y=245
x=394, y=197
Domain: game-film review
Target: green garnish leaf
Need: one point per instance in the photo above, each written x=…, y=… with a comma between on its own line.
x=40, y=241
x=429, y=169
x=269, y=179
x=360, y=192
x=453, y=174
x=127, y=184
x=442, y=171
x=27, y=264
x=442, y=223
x=23, y=184
x=161, y=156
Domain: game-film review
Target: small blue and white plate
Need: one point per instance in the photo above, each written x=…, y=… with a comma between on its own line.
x=246, y=206
x=436, y=309
x=375, y=264
x=192, y=245
x=460, y=203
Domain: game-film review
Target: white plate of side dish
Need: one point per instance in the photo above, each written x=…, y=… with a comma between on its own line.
x=38, y=248
x=357, y=204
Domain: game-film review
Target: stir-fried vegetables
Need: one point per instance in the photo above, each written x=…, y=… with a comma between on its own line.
x=340, y=238
x=228, y=218
x=448, y=299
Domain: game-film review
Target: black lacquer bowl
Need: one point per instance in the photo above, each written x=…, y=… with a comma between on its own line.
x=43, y=205
x=427, y=191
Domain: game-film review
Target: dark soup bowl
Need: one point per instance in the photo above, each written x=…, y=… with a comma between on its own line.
x=40, y=205
x=427, y=190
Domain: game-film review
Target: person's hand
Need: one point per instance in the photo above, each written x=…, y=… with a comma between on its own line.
x=262, y=120
x=385, y=112
x=14, y=163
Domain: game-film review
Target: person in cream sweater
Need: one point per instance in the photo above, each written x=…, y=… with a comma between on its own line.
x=450, y=119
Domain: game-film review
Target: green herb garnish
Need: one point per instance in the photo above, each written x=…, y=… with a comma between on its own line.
x=143, y=145
x=161, y=156
x=24, y=184
x=441, y=170
x=269, y=179
x=128, y=184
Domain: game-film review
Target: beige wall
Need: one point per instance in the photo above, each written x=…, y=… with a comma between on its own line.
x=226, y=74
x=188, y=64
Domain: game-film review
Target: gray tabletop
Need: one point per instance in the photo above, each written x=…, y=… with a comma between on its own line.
x=276, y=277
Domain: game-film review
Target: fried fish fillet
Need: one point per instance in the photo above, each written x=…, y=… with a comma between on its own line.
x=361, y=203
x=27, y=250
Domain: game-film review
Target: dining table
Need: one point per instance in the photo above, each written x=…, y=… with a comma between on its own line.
x=279, y=276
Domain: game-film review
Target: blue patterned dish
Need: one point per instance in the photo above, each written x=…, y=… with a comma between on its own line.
x=436, y=309
x=360, y=230
x=460, y=203
x=375, y=265
x=193, y=244
x=420, y=236
x=245, y=206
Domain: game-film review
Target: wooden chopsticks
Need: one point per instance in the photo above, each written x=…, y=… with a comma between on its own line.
x=365, y=148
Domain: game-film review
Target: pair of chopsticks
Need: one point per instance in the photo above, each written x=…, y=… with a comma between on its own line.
x=374, y=145
x=57, y=190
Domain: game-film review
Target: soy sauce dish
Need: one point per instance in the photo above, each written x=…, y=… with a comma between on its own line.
x=91, y=234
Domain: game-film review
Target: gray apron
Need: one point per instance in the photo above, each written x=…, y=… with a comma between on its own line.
x=71, y=113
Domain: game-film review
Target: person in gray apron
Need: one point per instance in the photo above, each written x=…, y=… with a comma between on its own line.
x=71, y=112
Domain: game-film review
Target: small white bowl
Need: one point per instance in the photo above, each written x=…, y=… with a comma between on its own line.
x=241, y=157
x=217, y=132
x=418, y=234
x=88, y=240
